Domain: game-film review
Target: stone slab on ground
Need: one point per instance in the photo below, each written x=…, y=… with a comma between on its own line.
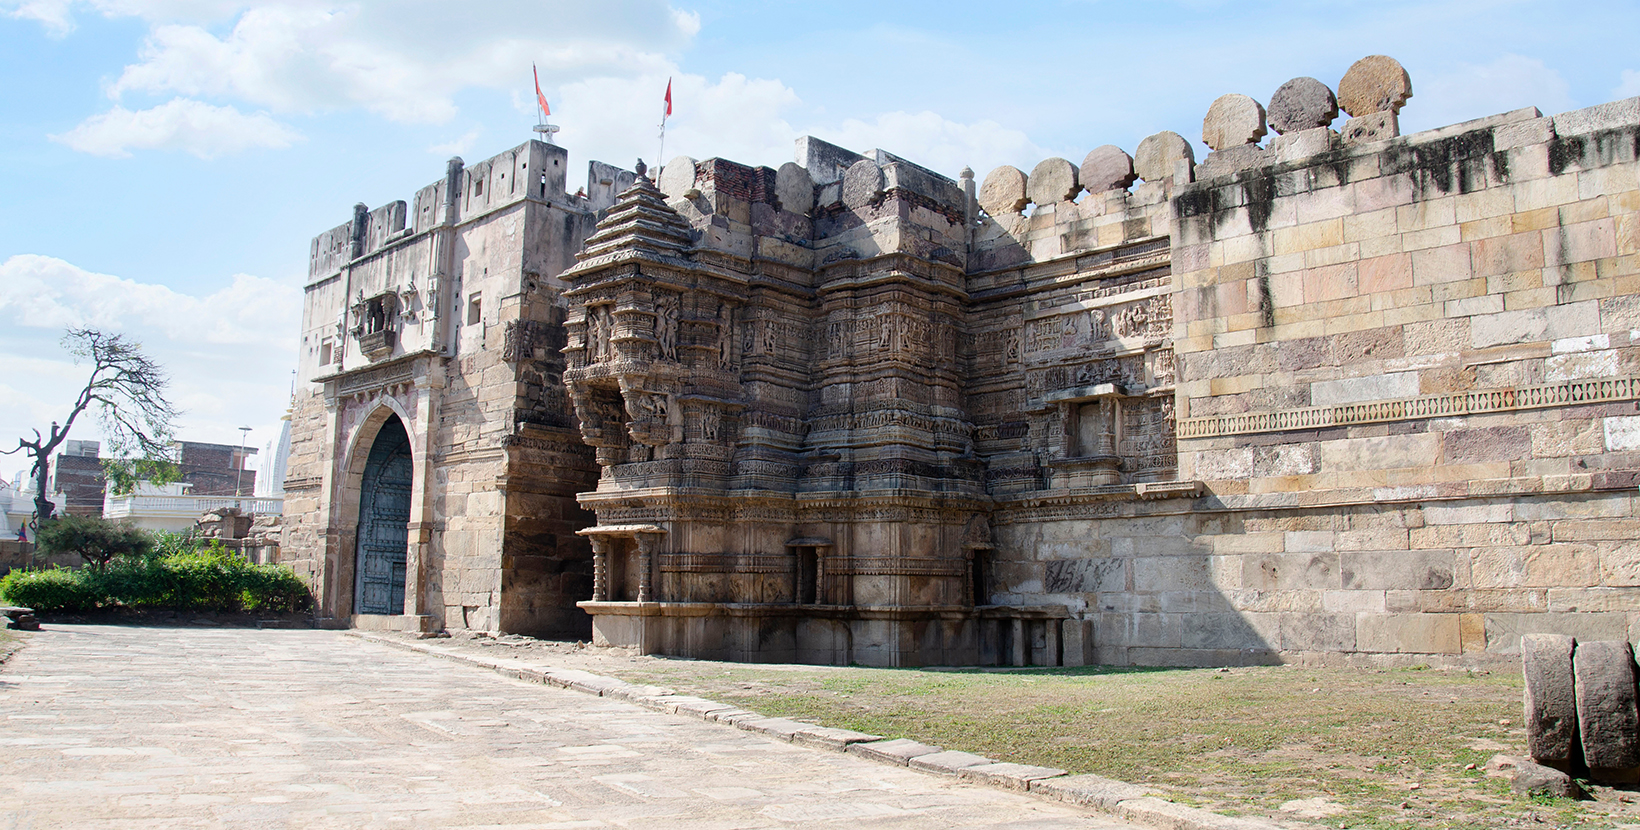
x=1090, y=790
x=898, y=751
x=1550, y=696
x=825, y=737
x=1169, y=816
x=117, y=726
x=948, y=761
x=783, y=728
x=1008, y=775
x=1607, y=715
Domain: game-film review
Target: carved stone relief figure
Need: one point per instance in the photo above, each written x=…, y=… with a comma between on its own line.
x=666, y=325
x=726, y=333
x=360, y=310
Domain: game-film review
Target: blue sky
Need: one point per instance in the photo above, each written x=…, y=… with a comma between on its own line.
x=168, y=161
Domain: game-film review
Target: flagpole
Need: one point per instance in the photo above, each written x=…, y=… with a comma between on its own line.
x=666, y=110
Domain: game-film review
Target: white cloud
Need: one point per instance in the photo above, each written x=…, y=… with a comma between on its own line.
x=54, y=15
x=229, y=353
x=1629, y=85
x=1478, y=90
x=457, y=146
x=403, y=60
x=179, y=124
x=46, y=292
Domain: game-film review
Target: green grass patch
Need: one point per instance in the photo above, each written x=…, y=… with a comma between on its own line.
x=1381, y=748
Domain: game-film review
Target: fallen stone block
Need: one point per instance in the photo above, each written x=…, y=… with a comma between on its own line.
x=1089, y=790
x=1551, y=697
x=1536, y=779
x=947, y=762
x=825, y=737
x=1608, y=719
x=1008, y=775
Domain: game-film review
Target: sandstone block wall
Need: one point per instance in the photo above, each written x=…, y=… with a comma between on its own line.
x=1407, y=384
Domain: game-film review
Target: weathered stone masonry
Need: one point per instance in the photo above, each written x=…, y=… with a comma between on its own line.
x=1343, y=393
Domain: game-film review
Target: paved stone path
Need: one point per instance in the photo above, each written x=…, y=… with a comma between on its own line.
x=116, y=727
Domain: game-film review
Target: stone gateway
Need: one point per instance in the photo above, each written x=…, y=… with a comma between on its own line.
x=1342, y=395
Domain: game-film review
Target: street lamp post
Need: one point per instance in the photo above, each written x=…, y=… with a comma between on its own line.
x=239, y=472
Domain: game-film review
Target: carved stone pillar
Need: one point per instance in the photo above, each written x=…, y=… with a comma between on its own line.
x=646, y=565
x=600, y=568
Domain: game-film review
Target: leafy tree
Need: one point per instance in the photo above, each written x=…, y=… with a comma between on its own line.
x=94, y=538
x=129, y=391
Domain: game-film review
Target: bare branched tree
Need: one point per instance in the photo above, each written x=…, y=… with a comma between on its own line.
x=129, y=391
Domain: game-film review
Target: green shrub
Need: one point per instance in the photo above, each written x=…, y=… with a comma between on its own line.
x=57, y=589
x=192, y=575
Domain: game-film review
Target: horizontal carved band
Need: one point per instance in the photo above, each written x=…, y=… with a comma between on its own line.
x=1599, y=390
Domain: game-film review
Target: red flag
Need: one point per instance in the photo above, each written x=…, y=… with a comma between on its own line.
x=539, y=98
x=668, y=96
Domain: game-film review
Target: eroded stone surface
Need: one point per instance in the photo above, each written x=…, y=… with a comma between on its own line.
x=1379, y=126
x=1608, y=721
x=1003, y=191
x=678, y=177
x=1302, y=104
x=1106, y=168
x=794, y=187
x=862, y=183
x=1233, y=120
x=1551, y=699
x=1535, y=779
x=1158, y=156
x=1051, y=181
x=1376, y=83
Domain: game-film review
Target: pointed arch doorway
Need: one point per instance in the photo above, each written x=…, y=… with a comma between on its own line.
x=384, y=522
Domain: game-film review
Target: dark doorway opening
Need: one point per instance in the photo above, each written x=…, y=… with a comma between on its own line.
x=979, y=576
x=384, y=522
x=808, y=572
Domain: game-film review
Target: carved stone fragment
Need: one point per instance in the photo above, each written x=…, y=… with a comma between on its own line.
x=1551, y=703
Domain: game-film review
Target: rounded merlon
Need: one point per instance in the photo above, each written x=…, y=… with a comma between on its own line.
x=1052, y=180
x=1108, y=167
x=1302, y=104
x=1233, y=120
x=1004, y=191
x=1376, y=83
x=677, y=178
x=1157, y=156
x=863, y=182
x=795, y=188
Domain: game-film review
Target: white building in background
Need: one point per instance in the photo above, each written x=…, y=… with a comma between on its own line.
x=17, y=504
x=271, y=483
x=171, y=507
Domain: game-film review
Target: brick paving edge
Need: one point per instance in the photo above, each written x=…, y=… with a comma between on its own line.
x=1128, y=801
